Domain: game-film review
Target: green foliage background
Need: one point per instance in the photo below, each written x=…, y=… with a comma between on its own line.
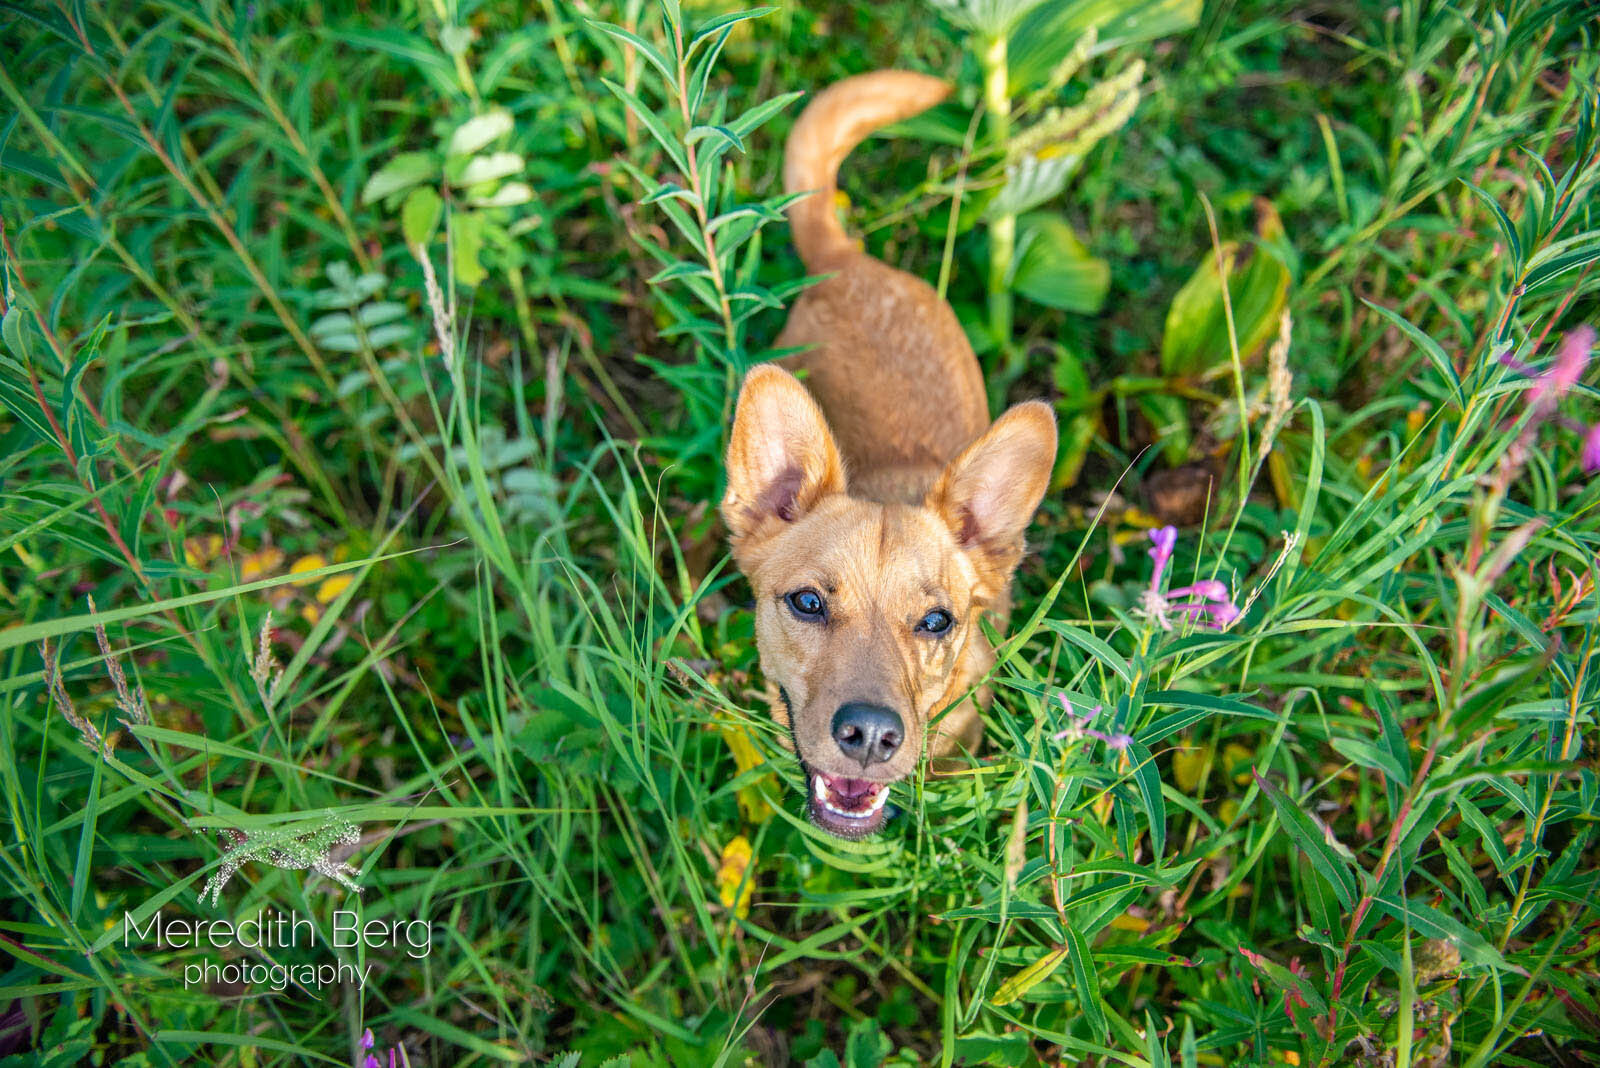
x=365, y=373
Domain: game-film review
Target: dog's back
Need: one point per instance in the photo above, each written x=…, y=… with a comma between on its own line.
x=888, y=362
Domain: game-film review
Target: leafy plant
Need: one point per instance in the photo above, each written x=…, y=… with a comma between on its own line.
x=694, y=135
x=484, y=185
x=1047, y=262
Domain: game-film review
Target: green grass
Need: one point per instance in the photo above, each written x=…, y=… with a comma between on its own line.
x=273, y=366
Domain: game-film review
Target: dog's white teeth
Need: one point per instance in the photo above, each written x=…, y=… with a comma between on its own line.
x=880, y=796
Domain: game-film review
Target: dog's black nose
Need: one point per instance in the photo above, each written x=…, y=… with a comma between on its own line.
x=867, y=733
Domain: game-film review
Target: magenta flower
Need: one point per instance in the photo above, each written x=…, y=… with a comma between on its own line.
x=1207, y=602
x=1571, y=359
x=1564, y=372
x=1590, y=456
x=1549, y=387
x=1163, y=540
x=1080, y=726
x=371, y=1060
x=1209, y=590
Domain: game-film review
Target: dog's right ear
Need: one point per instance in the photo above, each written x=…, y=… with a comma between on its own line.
x=782, y=458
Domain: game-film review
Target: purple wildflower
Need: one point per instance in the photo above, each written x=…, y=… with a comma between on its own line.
x=1163, y=541
x=1591, y=450
x=1209, y=590
x=371, y=1060
x=1207, y=602
x=1548, y=388
x=1571, y=359
x=1508, y=360
x=1080, y=725
x=1555, y=381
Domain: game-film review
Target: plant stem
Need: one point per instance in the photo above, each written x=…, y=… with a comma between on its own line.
x=1002, y=228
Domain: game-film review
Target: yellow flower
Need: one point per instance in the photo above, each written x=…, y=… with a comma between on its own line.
x=332, y=587
x=198, y=552
x=304, y=564
x=1186, y=766
x=1415, y=418
x=259, y=563
x=1238, y=759
x=746, y=757
x=732, y=886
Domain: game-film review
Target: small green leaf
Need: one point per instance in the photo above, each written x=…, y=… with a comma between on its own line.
x=466, y=237
x=490, y=168
x=1431, y=923
x=419, y=215
x=645, y=48
x=507, y=196
x=1083, y=975
x=1509, y=232
x=725, y=21
x=1364, y=754
x=399, y=174
x=1094, y=646
x=479, y=132
x=1029, y=977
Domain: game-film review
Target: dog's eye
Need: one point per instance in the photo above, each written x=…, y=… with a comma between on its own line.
x=807, y=604
x=936, y=621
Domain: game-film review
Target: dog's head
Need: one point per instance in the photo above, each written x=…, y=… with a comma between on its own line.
x=867, y=614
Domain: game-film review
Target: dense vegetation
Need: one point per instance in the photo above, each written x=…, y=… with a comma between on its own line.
x=365, y=375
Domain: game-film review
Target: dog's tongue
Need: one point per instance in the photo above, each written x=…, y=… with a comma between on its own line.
x=851, y=789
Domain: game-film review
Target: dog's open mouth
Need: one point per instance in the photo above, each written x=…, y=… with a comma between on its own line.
x=849, y=808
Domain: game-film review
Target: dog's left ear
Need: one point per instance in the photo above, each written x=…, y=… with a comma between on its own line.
x=988, y=494
x=782, y=458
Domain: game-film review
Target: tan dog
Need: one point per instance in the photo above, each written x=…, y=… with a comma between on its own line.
x=869, y=588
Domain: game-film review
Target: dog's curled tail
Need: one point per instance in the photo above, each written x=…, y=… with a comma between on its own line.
x=837, y=120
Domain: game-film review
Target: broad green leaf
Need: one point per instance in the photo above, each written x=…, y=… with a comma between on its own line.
x=1077, y=437
x=1169, y=422
x=1054, y=268
x=1046, y=36
x=1195, y=342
